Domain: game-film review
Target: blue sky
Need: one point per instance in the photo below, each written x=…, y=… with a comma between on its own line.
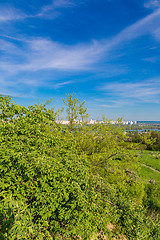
x=105, y=51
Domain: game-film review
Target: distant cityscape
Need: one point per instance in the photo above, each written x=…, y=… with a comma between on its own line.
x=91, y=121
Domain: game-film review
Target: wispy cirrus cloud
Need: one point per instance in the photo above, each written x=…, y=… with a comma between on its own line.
x=108, y=103
x=10, y=13
x=156, y=34
x=50, y=10
x=39, y=54
x=148, y=25
x=152, y=4
x=62, y=84
x=151, y=59
x=144, y=91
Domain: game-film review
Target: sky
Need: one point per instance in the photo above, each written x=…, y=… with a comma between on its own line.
x=107, y=52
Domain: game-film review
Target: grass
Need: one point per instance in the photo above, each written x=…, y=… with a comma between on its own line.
x=147, y=174
x=151, y=159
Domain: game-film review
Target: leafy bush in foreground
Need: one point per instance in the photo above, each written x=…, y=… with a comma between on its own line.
x=63, y=184
x=46, y=188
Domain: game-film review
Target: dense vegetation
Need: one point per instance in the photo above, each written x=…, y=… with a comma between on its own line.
x=71, y=182
x=136, y=137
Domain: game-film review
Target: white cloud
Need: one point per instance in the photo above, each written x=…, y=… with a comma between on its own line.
x=143, y=91
x=38, y=54
x=151, y=59
x=108, y=103
x=6, y=45
x=147, y=25
x=10, y=14
x=52, y=10
x=156, y=34
x=59, y=85
x=43, y=53
x=152, y=4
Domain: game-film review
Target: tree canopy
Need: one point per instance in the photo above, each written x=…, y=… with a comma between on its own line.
x=75, y=110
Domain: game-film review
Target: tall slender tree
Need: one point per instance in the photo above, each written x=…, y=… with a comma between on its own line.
x=75, y=110
x=83, y=111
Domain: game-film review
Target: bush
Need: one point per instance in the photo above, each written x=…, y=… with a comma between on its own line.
x=152, y=197
x=62, y=184
x=46, y=188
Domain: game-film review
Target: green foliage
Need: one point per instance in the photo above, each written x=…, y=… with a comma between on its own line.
x=135, y=224
x=62, y=184
x=46, y=188
x=103, y=146
x=152, y=199
x=156, y=145
x=148, y=140
x=74, y=110
x=83, y=111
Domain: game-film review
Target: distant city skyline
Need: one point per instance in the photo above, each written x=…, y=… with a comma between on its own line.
x=107, y=52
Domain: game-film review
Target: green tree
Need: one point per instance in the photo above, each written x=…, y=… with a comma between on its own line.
x=83, y=111
x=75, y=110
